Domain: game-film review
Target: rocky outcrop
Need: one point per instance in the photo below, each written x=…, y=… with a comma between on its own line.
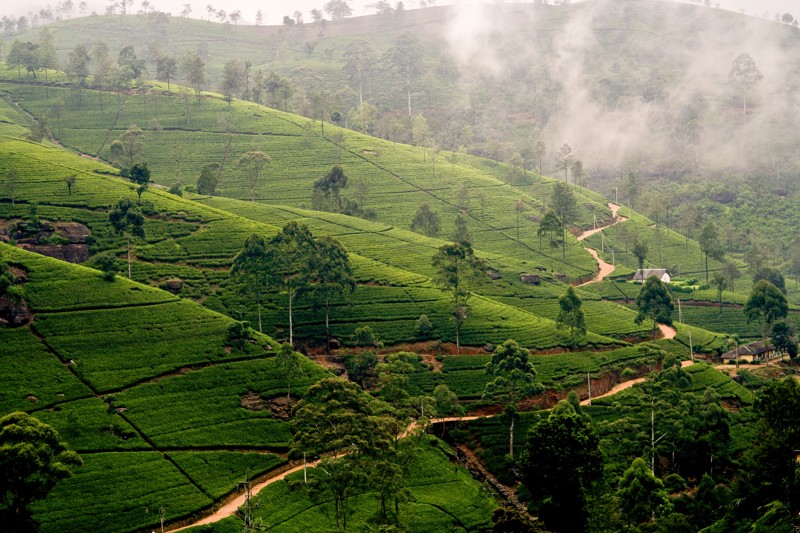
x=14, y=314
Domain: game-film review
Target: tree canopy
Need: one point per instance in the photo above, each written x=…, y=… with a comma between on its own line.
x=560, y=460
x=33, y=458
x=765, y=305
x=654, y=302
x=457, y=272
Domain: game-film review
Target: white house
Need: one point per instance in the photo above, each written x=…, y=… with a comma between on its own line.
x=642, y=275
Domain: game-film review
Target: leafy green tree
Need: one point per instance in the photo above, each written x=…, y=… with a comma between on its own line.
x=423, y=328
x=640, y=251
x=335, y=416
x=331, y=185
x=288, y=363
x=33, y=458
x=560, y=460
x=765, y=305
x=102, y=67
x=730, y=272
x=514, y=378
x=365, y=336
x=654, y=302
x=769, y=473
x=565, y=207
x=11, y=181
x=783, y=338
x=641, y=495
x=126, y=151
x=107, y=263
x=38, y=131
x=710, y=244
x=207, y=181
x=549, y=226
x=337, y=9
x=461, y=233
x=445, y=401
x=194, y=71
x=564, y=160
x=772, y=275
x=130, y=66
x=359, y=63
x=249, y=270
x=361, y=367
x=70, y=182
x=338, y=480
x=252, y=162
x=457, y=272
x=126, y=218
x=405, y=58
x=426, y=221
x=16, y=56
x=287, y=258
x=331, y=417
x=138, y=173
x=719, y=283
x=233, y=74
x=330, y=275
x=78, y=69
x=744, y=74
x=570, y=314
x=166, y=70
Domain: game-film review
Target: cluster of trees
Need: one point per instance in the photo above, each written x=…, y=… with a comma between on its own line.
x=360, y=440
x=327, y=195
x=296, y=262
x=664, y=462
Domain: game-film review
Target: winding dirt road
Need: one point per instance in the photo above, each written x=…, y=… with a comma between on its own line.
x=603, y=269
x=231, y=506
x=627, y=385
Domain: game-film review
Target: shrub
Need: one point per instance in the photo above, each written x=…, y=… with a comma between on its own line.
x=238, y=334
x=423, y=328
x=364, y=336
x=108, y=264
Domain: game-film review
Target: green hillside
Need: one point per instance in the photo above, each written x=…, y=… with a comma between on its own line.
x=192, y=242
x=90, y=363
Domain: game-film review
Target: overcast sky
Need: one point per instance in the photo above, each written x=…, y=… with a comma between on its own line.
x=274, y=10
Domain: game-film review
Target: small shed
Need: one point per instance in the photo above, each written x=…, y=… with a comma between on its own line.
x=642, y=275
x=754, y=352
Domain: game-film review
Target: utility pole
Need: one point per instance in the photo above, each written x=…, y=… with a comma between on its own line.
x=589, y=383
x=653, y=439
x=247, y=509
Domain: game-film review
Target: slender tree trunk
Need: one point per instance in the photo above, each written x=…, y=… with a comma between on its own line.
x=327, y=326
x=258, y=298
x=408, y=93
x=511, y=438
x=129, y=257
x=291, y=297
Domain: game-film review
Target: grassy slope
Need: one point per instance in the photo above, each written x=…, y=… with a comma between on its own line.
x=399, y=177
x=71, y=357
x=443, y=498
x=191, y=241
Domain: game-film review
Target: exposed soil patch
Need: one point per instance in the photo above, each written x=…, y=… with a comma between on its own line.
x=279, y=406
x=67, y=241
